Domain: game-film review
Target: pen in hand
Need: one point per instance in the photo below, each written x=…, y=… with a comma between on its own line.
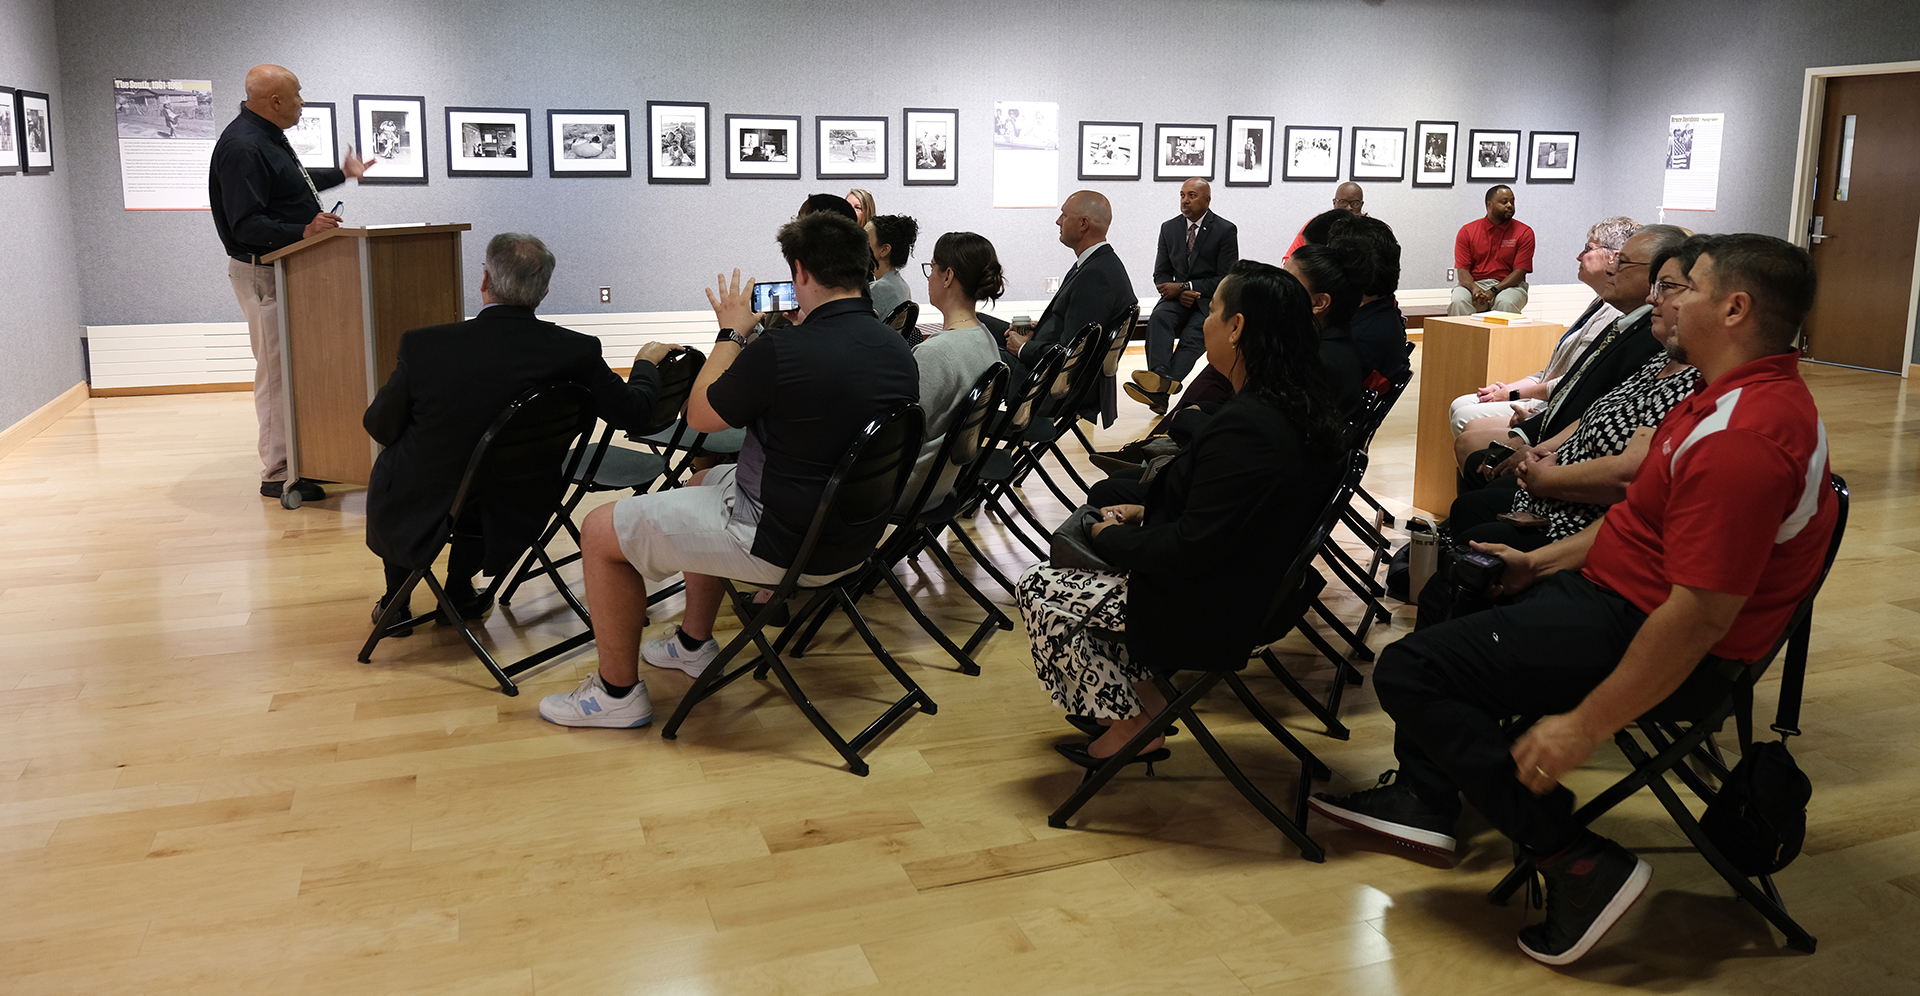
x=336, y=207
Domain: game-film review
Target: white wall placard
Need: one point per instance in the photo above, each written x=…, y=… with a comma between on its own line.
x=166, y=131
x=1026, y=154
x=1693, y=162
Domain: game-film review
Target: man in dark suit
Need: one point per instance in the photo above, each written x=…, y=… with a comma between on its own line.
x=1196, y=250
x=1095, y=289
x=449, y=385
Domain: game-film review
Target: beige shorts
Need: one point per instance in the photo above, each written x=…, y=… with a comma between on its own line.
x=693, y=530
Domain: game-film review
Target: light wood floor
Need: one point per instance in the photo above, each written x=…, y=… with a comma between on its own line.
x=202, y=791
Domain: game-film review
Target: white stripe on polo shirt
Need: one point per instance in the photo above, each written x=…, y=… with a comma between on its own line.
x=1809, y=503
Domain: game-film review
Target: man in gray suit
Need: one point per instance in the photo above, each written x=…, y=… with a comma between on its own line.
x=1196, y=250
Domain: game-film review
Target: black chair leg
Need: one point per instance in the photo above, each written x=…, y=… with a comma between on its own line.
x=967, y=665
x=1328, y=715
x=1315, y=768
x=1291, y=826
x=980, y=557
x=1097, y=778
x=452, y=612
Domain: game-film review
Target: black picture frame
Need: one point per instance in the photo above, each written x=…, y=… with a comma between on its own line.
x=23, y=112
x=691, y=120
x=1322, y=168
x=1539, y=149
x=1375, y=172
x=615, y=119
x=1098, y=140
x=1485, y=161
x=316, y=110
x=1442, y=159
x=741, y=167
x=518, y=165
x=931, y=166
x=1244, y=130
x=823, y=147
x=12, y=156
x=386, y=167
x=1166, y=133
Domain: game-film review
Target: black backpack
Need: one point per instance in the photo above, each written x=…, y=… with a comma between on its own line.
x=1758, y=819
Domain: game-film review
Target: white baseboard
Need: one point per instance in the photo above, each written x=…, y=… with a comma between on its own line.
x=17, y=434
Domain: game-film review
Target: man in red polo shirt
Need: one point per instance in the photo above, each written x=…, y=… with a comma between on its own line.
x=1492, y=257
x=1722, y=533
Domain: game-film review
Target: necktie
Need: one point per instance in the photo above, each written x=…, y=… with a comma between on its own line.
x=1193, y=232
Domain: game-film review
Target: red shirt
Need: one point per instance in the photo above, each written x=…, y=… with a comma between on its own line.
x=1298, y=241
x=1490, y=251
x=1737, y=477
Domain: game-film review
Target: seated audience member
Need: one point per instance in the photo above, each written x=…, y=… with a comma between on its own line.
x=1529, y=394
x=1611, y=358
x=1196, y=249
x=449, y=383
x=1205, y=533
x=803, y=392
x=1379, y=329
x=862, y=204
x=1095, y=290
x=891, y=236
x=963, y=272
x=1492, y=257
x=1334, y=276
x=1722, y=532
x=1346, y=197
x=1561, y=489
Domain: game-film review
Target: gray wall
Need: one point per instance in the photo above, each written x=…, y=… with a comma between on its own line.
x=40, y=353
x=656, y=245
x=1749, y=59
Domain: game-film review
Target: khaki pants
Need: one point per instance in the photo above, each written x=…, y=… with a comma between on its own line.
x=253, y=287
x=1512, y=299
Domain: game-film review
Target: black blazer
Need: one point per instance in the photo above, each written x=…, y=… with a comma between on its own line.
x=451, y=382
x=1096, y=292
x=1223, y=520
x=1215, y=249
x=1605, y=365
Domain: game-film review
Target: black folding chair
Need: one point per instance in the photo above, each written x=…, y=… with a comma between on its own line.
x=1287, y=610
x=1082, y=374
x=961, y=451
x=859, y=499
x=608, y=467
x=524, y=446
x=905, y=319
x=1120, y=330
x=1046, y=377
x=1679, y=741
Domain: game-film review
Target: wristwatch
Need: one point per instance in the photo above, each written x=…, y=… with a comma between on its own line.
x=729, y=335
x=1513, y=395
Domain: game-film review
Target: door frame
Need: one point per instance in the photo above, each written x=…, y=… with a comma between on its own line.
x=1813, y=105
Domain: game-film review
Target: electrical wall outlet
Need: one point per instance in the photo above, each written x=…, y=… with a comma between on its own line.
x=1452, y=278
x=606, y=295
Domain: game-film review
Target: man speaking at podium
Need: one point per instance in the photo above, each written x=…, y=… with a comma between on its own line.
x=264, y=200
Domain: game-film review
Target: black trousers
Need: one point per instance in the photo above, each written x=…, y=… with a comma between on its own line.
x=1450, y=687
x=464, y=556
x=1172, y=320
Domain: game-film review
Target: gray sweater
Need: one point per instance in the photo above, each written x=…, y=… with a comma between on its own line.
x=949, y=362
x=888, y=293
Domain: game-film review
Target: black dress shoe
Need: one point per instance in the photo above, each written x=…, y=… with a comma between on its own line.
x=307, y=490
x=1091, y=727
x=471, y=607
x=1156, y=402
x=1077, y=753
x=405, y=614
x=1154, y=383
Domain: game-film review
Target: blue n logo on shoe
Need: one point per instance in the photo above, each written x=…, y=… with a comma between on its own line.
x=590, y=706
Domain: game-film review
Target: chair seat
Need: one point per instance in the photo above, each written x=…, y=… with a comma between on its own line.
x=626, y=468
x=722, y=443
x=997, y=468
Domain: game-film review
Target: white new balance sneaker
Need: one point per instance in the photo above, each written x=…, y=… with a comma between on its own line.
x=590, y=705
x=670, y=652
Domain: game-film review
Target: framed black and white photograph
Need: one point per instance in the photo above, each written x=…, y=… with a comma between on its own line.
x=588, y=143
x=1110, y=150
x=316, y=136
x=1184, y=151
x=9, y=131
x=850, y=148
x=930, y=146
x=677, y=146
x=1312, y=153
x=1249, y=152
x=391, y=135
x=763, y=146
x=1551, y=156
x=489, y=141
x=1435, y=145
x=1378, y=154
x=1493, y=155
x=35, y=134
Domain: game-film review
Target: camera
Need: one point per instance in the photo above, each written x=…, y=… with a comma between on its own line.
x=1473, y=577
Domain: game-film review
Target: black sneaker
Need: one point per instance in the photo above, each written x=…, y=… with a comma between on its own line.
x=1588, y=889
x=1394, y=811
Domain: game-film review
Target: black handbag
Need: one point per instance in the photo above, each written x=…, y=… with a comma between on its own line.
x=1758, y=819
x=1072, y=545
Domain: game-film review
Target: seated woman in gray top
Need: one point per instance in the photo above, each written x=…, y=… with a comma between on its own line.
x=964, y=271
x=891, y=236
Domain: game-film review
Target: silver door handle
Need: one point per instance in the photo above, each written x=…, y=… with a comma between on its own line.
x=1817, y=239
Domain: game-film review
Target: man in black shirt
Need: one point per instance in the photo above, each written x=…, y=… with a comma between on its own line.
x=803, y=392
x=264, y=200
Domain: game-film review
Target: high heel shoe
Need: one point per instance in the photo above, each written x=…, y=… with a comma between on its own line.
x=1091, y=727
x=1077, y=753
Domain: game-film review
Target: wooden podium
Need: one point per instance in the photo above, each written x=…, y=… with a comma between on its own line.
x=1460, y=356
x=345, y=297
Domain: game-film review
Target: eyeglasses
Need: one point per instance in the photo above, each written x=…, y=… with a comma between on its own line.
x=1665, y=287
x=1597, y=247
x=926, y=269
x=1621, y=262
x=1345, y=204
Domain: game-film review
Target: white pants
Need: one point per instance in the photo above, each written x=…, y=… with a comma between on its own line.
x=1468, y=407
x=1512, y=299
x=253, y=287
x=693, y=530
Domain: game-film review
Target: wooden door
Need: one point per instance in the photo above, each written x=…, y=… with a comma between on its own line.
x=1864, y=254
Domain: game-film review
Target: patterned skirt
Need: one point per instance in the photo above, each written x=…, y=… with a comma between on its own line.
x=1074, y=620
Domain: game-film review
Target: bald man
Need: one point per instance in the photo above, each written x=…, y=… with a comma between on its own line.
x=1095, y=290
x=1347, y=197
x=1196, y=250
x=264, y=200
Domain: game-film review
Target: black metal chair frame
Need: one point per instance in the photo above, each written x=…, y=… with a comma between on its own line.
x=1001, y=463
x=1042, y=439
x=905, y=319
x=1288, y=611
x=1121, y=330
x=1673, y=741
x=907, y=420
x=574, y=414
x=1360, y=580
x=964, y=447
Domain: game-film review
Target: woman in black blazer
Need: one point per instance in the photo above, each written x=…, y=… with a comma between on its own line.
x=1220, y=519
